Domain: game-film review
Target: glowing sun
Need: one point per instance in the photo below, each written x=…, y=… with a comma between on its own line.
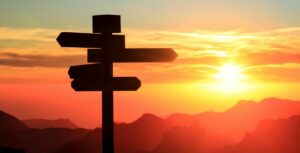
x=230, y=78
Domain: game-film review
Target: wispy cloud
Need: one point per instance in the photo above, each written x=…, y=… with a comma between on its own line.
x=27, y=34
x=263, y=54
x=18, y=60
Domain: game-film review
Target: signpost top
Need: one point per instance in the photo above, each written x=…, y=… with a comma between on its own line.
x=106, y=24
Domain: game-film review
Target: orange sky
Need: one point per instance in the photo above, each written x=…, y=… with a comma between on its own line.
x=262, y=45
x=37, y=77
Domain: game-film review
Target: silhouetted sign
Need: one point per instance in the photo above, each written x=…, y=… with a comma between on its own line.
x=112, y=84
x=99, y=76
x=85, y=71
x=136, y=55
x=89, y=78
x=87, y=40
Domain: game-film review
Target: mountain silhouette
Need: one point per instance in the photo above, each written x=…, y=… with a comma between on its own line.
x=191, y=139
x=15, y=134
x=9, y=122
x=180, y=133
x=40, y=140
x=241, y=118
x=143, y=134
x=43, y=123
x=272, y=136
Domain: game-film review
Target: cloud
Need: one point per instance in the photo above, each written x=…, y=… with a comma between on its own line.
x=261, y=53
x=272, y=57
x=28, y=34
x=289, y=73
x=35, y=38
x=19, y=60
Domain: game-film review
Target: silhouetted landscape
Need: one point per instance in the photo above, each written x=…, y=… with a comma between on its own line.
x=270, y=125
x=15, y=134
x=158, y=76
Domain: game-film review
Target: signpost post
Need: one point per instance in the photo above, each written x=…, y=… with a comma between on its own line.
x=108, y=48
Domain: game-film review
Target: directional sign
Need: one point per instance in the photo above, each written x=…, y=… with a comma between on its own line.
x=87, y=40
x=113, y=84
x=136, y=55
x=85, y=71
x=88, y=78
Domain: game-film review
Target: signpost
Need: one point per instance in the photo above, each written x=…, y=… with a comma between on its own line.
x=108, y=48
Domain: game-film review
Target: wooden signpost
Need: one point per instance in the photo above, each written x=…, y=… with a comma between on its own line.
x=104, y=48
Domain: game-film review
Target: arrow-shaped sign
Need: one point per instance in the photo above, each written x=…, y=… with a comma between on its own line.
x=114, y=84
x=87, y=40
x=136, y=55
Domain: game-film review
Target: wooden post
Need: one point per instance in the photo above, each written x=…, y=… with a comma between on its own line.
x=107, y=122
x=107, y=99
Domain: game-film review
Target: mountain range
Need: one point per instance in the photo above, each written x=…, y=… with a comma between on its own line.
x=248, y=127
x=272, y=136
x=10, y=123
x=241, y=118
x=15, y=134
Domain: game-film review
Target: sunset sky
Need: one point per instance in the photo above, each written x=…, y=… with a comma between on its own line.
x=228, y=50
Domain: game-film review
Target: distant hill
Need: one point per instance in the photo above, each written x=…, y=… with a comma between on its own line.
x=143, y=134
x=271, y=136
x=43, y=123
x=191, y=139
x=180, y=133
x=9, y=122
x=241, y=118
x=15, y=134
x=40, y=140
x=211, y=131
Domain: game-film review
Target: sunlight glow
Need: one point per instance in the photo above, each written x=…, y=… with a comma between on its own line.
x=230, y=78
x=229, y=73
